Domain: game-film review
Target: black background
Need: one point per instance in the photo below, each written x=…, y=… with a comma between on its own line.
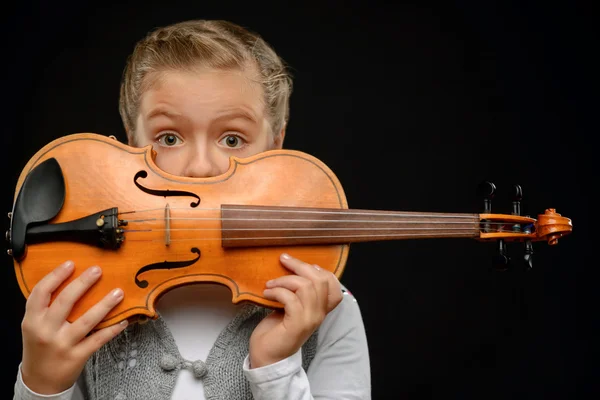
x=411, y=105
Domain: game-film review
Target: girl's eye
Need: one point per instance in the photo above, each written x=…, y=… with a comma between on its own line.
x=232, y=141
x=169, y=140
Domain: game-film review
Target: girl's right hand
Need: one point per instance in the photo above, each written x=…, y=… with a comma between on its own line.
x=55, y=350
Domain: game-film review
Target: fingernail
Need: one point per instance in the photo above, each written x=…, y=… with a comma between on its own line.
x=95, y=271
x=117, y=293
x=123, y=323
x=68, y=265
x=286, y=256
x=270, y=283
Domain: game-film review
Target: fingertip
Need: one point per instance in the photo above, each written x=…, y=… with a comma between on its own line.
x=118, y=294
x=68, y=265
x=270, y=294
x=285, y=257
x=95, y=271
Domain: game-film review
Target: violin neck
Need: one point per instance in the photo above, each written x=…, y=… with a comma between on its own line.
x=251, y=226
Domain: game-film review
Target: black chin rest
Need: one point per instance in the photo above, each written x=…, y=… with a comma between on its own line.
x=40, y=199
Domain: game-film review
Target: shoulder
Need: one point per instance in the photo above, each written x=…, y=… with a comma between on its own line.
x=345, y=319
x=348, y=305
x=348, y=294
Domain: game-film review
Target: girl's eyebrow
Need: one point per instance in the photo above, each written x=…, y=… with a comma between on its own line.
x=160, y=111
x=225, y=115
x=236, y=113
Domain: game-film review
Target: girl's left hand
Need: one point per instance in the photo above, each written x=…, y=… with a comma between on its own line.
x=308, y=296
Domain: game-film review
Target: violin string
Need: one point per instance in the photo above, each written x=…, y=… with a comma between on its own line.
x=291, y=220
x=460, y=231
x=304, y=220
x=320, y=211
x=288, y=229
x=286, y=237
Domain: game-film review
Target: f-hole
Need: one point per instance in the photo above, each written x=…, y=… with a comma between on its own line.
x=165, y=265
x=164, y=193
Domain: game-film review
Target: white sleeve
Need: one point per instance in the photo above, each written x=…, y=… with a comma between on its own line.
x=339, y=370
x=22, y=392
x=283, y=380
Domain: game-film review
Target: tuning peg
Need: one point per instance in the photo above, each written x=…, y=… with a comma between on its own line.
x=516, y=199
x=528, y=257
x=517, y=196
x=486, y=190
x=501, y=260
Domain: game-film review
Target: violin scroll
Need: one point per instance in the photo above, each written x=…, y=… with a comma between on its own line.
x=513, y=227
x=552, y=226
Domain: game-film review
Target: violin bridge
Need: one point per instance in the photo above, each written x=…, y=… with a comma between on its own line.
x=167, y=225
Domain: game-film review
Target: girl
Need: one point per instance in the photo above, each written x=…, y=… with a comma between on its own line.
x=200, y=92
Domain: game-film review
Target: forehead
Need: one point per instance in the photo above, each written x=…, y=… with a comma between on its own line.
x=205, y=90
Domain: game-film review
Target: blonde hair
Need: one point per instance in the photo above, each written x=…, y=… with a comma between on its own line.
x=205, y=43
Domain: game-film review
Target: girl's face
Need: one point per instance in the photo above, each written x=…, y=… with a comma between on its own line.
x=196, y=120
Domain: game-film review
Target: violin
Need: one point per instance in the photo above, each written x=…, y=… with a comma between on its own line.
x=94, y=200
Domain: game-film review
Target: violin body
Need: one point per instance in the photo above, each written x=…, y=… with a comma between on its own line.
x=100, y=174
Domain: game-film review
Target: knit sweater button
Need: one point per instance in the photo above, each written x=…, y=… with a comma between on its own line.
x=199, y=368
x=168, y=362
